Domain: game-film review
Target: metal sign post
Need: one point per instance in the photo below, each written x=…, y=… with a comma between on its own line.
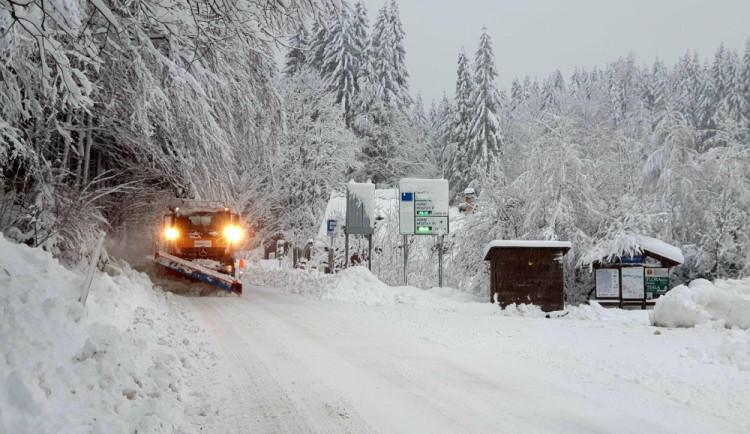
x=360, y=214
x=331, y=257
x=440, y=261
x=406, y=260
x=423, y=210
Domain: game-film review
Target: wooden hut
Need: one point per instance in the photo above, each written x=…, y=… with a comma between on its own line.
x=527, y=271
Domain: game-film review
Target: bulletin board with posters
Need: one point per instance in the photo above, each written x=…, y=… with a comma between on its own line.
x=607, y=283
x=633, y=287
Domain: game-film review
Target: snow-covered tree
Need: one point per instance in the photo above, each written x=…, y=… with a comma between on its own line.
x=485, y=137
x=389, y=76
x=316, y=154
x=461, y=159
x=297, y=56
x=341, y=59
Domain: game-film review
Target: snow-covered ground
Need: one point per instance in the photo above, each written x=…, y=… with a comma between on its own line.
x=305, y=352
x=349, y=353
x=134, y=360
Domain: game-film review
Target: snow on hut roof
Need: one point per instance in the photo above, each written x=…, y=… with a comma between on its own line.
x=469, y=191
x=628, y=244
x=537, y=244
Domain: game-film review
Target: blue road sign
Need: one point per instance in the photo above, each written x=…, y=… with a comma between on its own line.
x=407, y=197
x=331, y=225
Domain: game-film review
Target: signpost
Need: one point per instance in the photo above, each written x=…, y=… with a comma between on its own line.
x=360, y=215
x=331, y=227
x=657, y=281
x=423, y=210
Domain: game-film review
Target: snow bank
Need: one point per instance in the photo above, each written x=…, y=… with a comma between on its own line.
x=122, y=365
x=354, y=285
x=735, y=349
x=724, y=301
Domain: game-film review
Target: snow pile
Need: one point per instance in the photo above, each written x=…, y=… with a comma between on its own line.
x=735, y=349
x=122, y=365
x=358, y=285
x=725, y=301
x=354, y=285
x=523, y=310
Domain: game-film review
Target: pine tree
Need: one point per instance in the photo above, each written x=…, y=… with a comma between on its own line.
x=736, y=105
x=296, y=58
x=317, y=43
x=400, y=74
x=516, y=95
x=460, y=161
x=360, y=30
x=484, y=135
x=340, y=67
x=745, y=81
x=387, y=57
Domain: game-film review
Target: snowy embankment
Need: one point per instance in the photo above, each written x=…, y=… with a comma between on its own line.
x=354, y=285
x=129, y=362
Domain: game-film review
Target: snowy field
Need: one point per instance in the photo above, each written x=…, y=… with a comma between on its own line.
x=304, y=352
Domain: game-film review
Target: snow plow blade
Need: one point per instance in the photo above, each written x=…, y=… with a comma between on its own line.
x=198, y=272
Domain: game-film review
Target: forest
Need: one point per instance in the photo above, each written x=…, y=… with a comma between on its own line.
x=108, y=107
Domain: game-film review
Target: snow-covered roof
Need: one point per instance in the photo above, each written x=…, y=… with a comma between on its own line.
x=537, y=244
x=629, y=244
x=469, y=191
x=663, y=249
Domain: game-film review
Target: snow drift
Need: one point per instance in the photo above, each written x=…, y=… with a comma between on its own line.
x=726, y=302
x=121, y=365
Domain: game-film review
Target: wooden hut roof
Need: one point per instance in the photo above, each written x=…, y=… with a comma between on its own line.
x=535, y=244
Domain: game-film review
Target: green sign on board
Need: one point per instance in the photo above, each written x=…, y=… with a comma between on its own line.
x=657, y=280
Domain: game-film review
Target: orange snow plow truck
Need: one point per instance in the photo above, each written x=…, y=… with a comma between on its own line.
x=198, y=240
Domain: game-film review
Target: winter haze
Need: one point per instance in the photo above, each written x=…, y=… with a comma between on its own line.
x=536, y=37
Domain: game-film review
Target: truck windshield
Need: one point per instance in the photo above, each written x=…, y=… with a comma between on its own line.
x=215, y=221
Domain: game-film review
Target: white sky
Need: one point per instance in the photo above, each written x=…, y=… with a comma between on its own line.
x=535, y=37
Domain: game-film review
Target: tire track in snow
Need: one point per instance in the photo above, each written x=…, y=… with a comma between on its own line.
x=271, y=388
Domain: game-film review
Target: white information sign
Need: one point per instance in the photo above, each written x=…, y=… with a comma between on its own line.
x=632, y=283
x=423, y=207
x=607, y=283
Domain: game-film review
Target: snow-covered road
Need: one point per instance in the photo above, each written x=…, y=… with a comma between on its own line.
x=291, y=364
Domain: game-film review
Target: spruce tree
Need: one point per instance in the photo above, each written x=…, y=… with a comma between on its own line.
x=484, y=134
x=340, y=58
x=360, y=31
x=387, y=58
x=460, y=161
x=745, y=81
x=296, y=58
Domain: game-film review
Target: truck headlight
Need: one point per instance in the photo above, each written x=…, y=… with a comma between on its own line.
x=233, y=234
x=171, y=233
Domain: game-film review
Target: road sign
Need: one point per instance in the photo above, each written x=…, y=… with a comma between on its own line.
x=360, y=208
x=657, y=280
x=332, y=225
x=423, y=208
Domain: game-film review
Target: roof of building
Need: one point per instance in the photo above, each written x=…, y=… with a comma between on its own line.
x=536, y=244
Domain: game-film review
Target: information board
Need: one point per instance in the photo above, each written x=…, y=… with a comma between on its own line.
x=657, y=280
x=607, y=283
x=632, y=283
x=423, y=207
